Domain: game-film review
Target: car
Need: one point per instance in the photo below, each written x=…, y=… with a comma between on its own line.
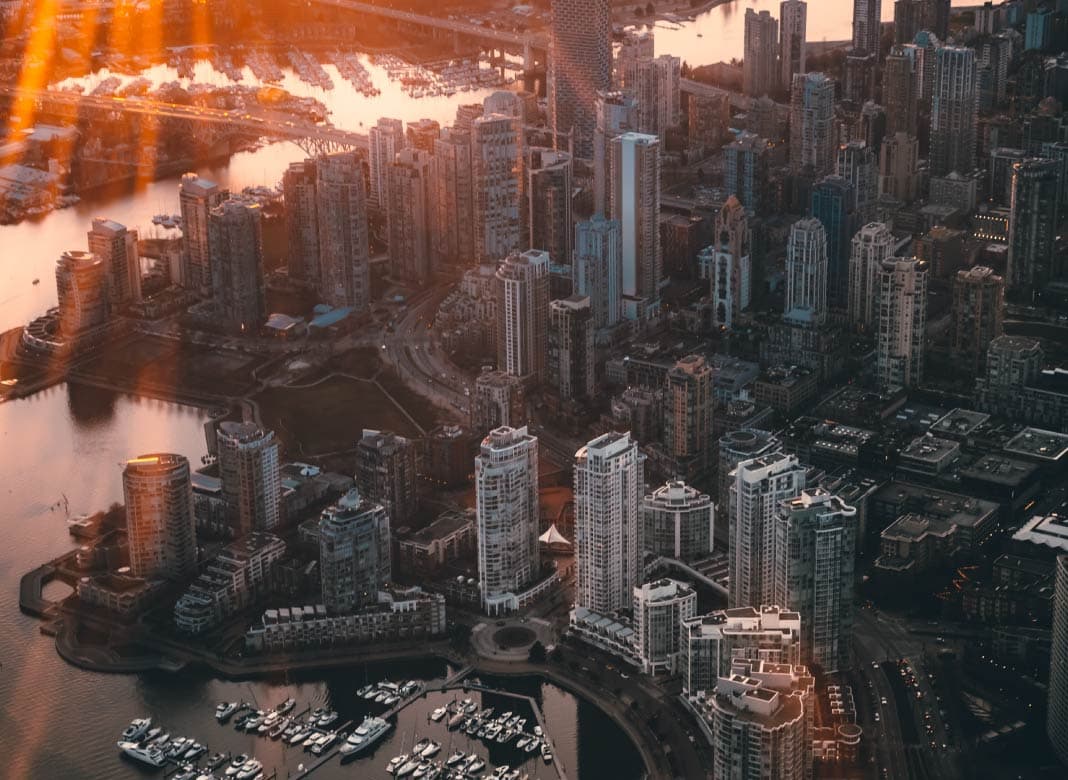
x=877, y=717
x=883, y=701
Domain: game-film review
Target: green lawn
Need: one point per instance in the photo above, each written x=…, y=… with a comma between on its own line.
x=329, y=416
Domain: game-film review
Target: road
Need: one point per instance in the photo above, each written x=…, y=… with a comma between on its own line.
x=521, y=41
x=880, y=642
x=412, y=351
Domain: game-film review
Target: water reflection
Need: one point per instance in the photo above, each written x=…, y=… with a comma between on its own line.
x=90, y=407
x=718, y=35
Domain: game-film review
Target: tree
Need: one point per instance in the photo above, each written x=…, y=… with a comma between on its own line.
x=460, y=635
x=537, y=653
x=650, y=9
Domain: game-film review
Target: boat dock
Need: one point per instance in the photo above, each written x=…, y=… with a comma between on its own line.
x=175, y=765
x=455, y=682
x=560, y=773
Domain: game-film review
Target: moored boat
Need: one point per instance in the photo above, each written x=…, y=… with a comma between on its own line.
x=150, y=755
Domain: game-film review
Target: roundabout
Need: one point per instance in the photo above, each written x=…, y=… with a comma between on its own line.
x=510, y=639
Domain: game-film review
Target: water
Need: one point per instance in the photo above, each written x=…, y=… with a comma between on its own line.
x=718, y=35
x=32, y=247
x=57, y=721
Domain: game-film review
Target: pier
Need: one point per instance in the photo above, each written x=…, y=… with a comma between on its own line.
x=175, y=765
x=455, y=682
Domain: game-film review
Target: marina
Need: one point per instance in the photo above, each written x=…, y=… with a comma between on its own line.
x=473, y=731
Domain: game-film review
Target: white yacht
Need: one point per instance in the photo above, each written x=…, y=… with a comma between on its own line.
x=408, y=767
x=366, y=734
x=546, y=753
x=249, y=770
x=455, y=758
x=325, y=743
x=137, y=729
x=235, y=764
x=146, y=755
x=431, y=750
x=396, y=762
x=225, y=710
x=438, y=714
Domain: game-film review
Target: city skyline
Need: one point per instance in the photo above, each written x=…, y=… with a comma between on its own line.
x=704, y=366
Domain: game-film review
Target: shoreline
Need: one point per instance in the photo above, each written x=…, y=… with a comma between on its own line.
x=171, y=656
x=646, y=744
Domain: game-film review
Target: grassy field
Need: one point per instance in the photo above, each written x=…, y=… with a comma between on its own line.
x=330, y=416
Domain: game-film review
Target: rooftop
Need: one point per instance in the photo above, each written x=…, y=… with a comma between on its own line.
x=914, y=527
x=1039, y=444
x=960, y=422
x=1000, y=469
x=1048, y=531
x=443, y=526
x=930, y=449
x=917, y=499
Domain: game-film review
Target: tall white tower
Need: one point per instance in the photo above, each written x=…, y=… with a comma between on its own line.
x=902, y=332
x=806, y=273
x=506, y=500
x=635, y=203
x=609, y=477
x=872, y=244
x=760, y=486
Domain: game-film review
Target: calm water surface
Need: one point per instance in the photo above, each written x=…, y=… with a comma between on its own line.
x=719, y=34
x=57, y=721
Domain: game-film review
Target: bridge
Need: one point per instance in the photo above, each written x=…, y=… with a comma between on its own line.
x=530, y=45
x=312, y=138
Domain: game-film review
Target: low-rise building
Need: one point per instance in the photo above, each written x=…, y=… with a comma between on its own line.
x=427, y=551
x=118, y=592
x=229, y=582
x=1043, y=536
x=611, y=634
x=1018, y=592
x=786, y=388
x=1018, y=387
x=928, y=455
x=398, y=615
x=916, y=543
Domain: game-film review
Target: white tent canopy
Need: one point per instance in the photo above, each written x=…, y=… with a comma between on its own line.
x=552, y=536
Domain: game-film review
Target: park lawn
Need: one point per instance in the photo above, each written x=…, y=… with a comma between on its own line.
x=330, y=416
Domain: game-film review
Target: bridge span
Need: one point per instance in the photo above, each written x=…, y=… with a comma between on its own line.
x=533, y=46
x=313, y=138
